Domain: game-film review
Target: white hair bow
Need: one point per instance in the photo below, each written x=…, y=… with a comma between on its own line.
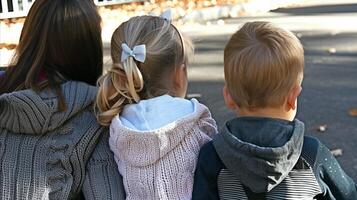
x=138, y=52
x=167, y=15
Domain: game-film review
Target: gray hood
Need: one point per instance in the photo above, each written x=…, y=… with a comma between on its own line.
x=260, y=152
x=28, y=112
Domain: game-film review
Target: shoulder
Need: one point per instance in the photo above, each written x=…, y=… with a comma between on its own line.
x=334, y=182
x=310, y=149
x=208, y=151
x=201, y=111
x=204, y=119
x=315, y=152
x=102, y=152
x=86, y=132
x=318, y=155
x=209, y=158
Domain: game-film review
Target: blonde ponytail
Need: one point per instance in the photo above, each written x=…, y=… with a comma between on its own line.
x=134, y=78
x=131, y=78
x=120, y=86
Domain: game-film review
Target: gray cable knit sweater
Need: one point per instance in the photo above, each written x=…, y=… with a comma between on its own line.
x=46, y=154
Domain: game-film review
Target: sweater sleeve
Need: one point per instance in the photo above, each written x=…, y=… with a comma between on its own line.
x=337, y=184
x=205, y=185
x=334, y=182
x=102, y=179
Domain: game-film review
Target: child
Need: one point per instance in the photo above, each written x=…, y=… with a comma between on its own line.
x=155, y=133
x=263, y=153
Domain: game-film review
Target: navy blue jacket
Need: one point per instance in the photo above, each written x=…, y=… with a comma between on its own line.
x=317, y=173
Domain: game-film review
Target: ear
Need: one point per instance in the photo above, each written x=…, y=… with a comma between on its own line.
x=180, y=75
x=228, y=99
x=180, y=79
x=293, y=96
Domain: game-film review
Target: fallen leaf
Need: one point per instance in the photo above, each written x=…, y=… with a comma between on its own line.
x=322, y=128
x=332, y=50
x=7, y=46
x=352, y=112
x=337, y=152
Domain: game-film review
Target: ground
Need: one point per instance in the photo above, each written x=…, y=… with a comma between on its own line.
x=330, y=82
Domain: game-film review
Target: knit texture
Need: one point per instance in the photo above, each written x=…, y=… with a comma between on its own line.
x=47, y=154
x=160, y=164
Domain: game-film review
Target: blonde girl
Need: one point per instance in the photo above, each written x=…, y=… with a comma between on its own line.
x=155, y=133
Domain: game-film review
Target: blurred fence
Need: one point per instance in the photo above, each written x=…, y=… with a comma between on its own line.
x=19, y=8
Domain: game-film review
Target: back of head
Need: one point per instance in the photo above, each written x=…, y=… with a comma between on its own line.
x=61, y=39
x=129, y=81
x=262, y=63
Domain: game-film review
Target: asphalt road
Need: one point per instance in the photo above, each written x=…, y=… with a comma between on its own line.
x=330, y=83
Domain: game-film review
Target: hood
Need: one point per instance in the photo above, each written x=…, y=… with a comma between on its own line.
x=260, y=152
x=155, y=113
x=145, y=147
x=28, y=112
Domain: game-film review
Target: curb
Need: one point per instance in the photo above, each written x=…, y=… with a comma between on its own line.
x=252, y=8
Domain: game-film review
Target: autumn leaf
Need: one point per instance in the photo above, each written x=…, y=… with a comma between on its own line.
x=352, y=112
x=7, y=46
x=331, y=50
x=336, y=152
x=322, y=128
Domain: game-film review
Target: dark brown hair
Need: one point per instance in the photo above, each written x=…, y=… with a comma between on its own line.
x=60, y=38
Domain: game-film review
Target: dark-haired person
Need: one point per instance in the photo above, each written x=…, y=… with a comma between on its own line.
x=51, y=146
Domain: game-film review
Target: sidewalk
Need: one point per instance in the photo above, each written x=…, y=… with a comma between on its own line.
x=329, y=23
x=199, y=18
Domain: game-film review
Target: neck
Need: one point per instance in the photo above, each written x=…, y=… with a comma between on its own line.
x=277, y=113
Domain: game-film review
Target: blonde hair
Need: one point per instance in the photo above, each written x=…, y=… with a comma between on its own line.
x=131, y=81
x=262, y=63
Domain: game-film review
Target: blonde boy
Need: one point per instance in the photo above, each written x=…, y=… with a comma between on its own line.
x=263, y=153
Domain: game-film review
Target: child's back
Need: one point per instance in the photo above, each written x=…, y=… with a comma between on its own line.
x=156, y=160
x=263, y=153
x=155, y=134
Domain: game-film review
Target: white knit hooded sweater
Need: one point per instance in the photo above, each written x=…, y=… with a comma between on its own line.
x=160, y=163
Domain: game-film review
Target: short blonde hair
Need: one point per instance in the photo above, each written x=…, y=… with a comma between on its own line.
x=262, y=63
x=131, y=81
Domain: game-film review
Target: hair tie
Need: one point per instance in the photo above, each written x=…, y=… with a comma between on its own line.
x=138, y=52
